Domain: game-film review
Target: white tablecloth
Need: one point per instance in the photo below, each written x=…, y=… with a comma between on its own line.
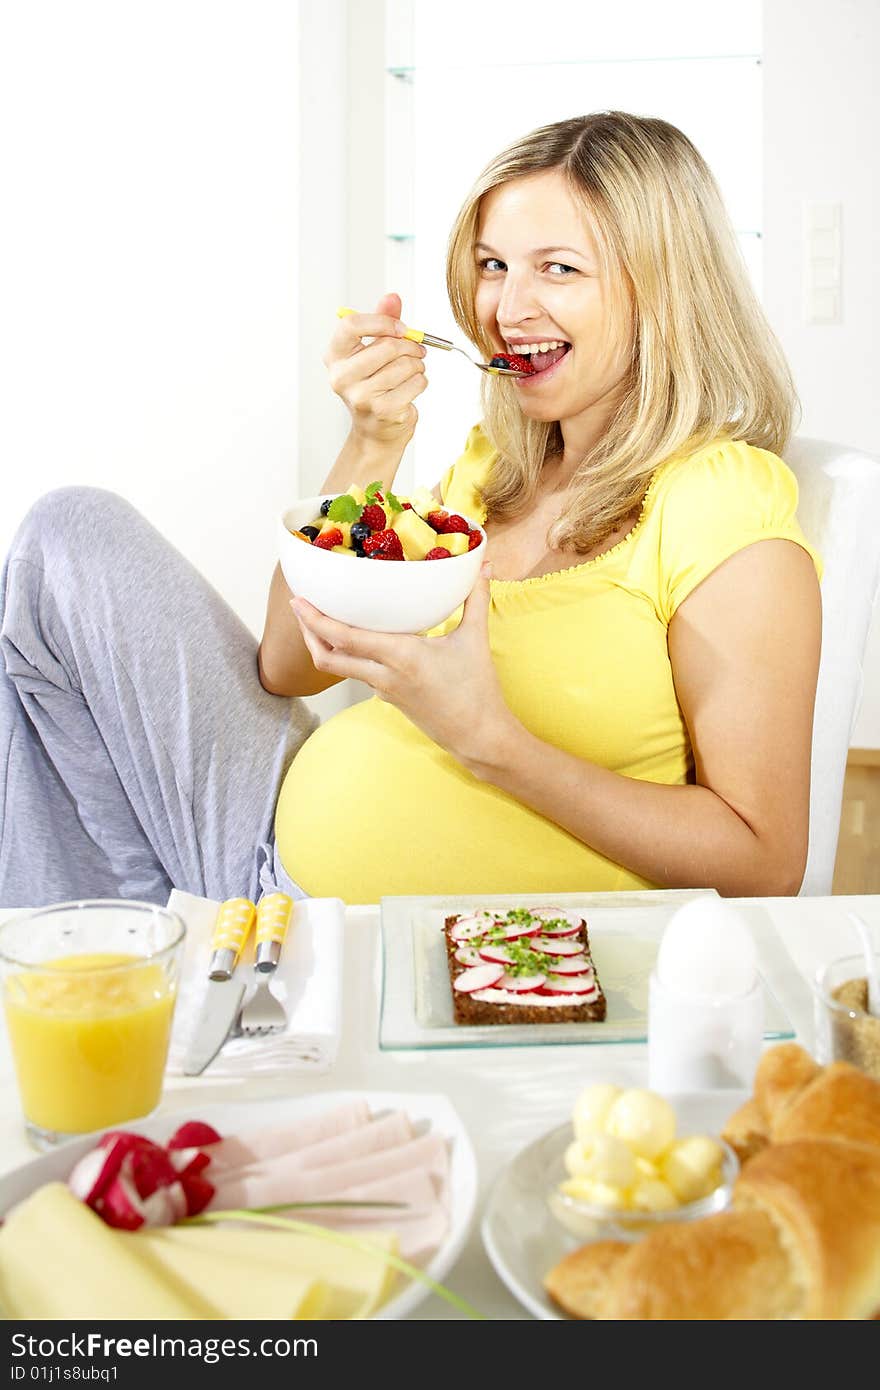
x=505, y=1096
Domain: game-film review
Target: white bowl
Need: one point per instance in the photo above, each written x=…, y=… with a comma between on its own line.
x=384, y=595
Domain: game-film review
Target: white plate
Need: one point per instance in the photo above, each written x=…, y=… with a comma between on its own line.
x=522, y=1237
x=428, y=1111
x=624, y=930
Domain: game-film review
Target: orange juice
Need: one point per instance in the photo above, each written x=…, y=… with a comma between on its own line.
x=89, y=1036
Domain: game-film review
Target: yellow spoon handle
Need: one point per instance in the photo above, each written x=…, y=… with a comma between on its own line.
x=415, y=335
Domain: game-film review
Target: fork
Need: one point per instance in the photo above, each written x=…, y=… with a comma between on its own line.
x=417, y=335
x=263, y=1013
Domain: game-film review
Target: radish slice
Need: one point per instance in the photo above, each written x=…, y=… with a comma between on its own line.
x=195, y=1134
x=569, y=984
x=120, y=1206
x=572, y=965
x=478, y=977
x=475, y=925
x=558, y=914
x=496, y=954
x=521, y=983
x=559, y=933
x=198, y=1193
x=188, y=1162
x=512, y=930
x=468, y=955
x=557, y=946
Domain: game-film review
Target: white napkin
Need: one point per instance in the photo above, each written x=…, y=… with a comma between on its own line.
x=308, y=981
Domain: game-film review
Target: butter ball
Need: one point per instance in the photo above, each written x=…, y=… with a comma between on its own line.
x=692, y=1167
x=577, y=1159
x=644, y=1121
x=707, y=951
x=591, y=1109
x=595, y=1194
x=653, y=1194
x=611, y=1162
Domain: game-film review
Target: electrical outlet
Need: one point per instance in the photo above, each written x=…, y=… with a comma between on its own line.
x=822, y=263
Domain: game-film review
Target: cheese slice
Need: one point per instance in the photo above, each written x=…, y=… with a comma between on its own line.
x=58, y=1260
x=261, y=1273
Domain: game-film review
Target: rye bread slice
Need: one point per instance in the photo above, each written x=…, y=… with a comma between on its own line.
x=478, y=1012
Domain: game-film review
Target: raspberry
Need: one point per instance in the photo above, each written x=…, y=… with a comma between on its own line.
x=374, y=517
x=439, y=553
x=407, y=506
x=513, y=362
x=452, y=523
x=474, y=538
x=383, y=545
x=435, y=518
x=328, y=539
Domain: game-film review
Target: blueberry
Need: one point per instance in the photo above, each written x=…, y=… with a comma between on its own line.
x=325, y=505
x=359, y=532
x=499, y=362
x=310, y=531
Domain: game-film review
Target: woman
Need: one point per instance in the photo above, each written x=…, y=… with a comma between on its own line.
x=628, y=700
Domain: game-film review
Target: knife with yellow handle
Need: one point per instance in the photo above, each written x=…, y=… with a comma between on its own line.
x=235, y=921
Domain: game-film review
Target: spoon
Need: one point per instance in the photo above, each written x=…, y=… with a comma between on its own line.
x=417, y=335
x=870, y=964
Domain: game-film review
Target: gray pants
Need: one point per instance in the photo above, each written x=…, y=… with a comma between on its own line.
x=138, y=750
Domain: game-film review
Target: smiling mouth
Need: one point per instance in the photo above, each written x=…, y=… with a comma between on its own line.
x=542, y=361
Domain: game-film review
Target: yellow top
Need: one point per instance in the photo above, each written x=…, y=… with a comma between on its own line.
x=371, y=806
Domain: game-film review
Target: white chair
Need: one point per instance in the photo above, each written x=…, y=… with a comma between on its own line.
x=839, y=512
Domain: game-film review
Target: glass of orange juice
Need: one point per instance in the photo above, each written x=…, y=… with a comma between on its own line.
x=88, y=992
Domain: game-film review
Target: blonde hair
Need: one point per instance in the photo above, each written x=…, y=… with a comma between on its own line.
x=705, y=362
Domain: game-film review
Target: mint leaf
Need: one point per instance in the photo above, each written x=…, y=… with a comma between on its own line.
x=372, y=490
x=344, y=508
x=393, y=502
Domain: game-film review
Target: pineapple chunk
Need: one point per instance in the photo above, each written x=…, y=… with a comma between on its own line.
x=342, y=550
x=416, y=536
x=456, y=542
x=358, y=494
x=343, y=526
x=424, y=502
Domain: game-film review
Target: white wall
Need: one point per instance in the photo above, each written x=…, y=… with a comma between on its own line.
x=822, y=115
x=149, y=267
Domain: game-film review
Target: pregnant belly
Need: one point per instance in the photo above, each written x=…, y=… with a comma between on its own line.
x=371, y=807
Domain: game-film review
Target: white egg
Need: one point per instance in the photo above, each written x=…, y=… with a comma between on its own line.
x=707, y=951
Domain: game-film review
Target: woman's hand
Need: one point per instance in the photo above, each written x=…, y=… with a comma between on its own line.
x=448, y=686
x=379, y=381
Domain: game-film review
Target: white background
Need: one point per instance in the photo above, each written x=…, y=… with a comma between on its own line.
x=191, y=188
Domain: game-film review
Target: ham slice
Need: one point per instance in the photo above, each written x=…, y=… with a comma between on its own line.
x=236, y=1151
x=420, y=1226
x=383, y=1133
x=278, y=1180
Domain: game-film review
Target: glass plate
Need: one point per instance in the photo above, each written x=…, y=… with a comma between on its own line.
x=624, y=929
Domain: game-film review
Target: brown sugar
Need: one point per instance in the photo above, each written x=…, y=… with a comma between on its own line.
x=856, y=1036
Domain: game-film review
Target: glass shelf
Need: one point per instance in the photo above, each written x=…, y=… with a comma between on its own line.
x=411, y=236
x=407, y=73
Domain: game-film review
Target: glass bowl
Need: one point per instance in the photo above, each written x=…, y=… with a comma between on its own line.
x=590, y=1222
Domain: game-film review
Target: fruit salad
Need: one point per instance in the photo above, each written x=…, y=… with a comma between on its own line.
x=373, y=524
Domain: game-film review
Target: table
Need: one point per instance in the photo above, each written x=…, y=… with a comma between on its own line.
x=505, y=1097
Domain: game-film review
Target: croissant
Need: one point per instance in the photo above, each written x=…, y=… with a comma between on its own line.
x=802, y=1239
